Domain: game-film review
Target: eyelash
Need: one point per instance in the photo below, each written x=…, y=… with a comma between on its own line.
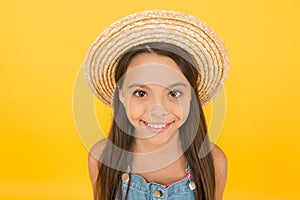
x=135, y=93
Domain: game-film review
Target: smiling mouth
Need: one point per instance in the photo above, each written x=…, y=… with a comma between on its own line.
x=157, y=127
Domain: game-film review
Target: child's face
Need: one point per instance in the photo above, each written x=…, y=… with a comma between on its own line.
x=154, y=109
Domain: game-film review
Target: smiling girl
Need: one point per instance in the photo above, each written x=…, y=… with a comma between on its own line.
x=158, y=146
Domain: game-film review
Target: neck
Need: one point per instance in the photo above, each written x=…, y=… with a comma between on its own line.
x=150, y=157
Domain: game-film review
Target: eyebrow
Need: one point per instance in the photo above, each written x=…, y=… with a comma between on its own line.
x=145, y=86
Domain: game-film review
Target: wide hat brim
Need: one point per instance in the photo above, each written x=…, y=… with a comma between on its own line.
x=183, y=30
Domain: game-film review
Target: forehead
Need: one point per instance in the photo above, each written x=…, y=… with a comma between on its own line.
x=147, y=58
x=151, y=68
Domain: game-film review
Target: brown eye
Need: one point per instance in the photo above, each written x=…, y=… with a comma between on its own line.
x=175, y=94
x=140, y=93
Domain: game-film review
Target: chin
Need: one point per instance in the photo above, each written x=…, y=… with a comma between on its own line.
x=158, y=140
x=161, y=138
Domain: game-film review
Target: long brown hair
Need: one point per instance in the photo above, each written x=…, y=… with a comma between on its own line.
x=109, y=182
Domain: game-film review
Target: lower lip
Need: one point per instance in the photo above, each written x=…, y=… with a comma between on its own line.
x=156, y=130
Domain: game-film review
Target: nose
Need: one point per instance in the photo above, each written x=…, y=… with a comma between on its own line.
x=157, y=111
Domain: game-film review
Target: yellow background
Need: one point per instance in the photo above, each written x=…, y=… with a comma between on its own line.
x=43, y=44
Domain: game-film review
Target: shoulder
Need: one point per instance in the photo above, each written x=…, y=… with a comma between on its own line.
x=93, y=159
x=219, y=157
x=97, y=149
x=220, y=164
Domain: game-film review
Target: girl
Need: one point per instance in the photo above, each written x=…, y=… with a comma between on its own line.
x=158, y=146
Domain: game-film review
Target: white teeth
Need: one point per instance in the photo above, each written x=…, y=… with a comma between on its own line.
x=158, y=126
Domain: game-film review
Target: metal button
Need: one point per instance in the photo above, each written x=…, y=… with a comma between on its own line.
x=125, y=177
x=157, y=193
x=192, y=185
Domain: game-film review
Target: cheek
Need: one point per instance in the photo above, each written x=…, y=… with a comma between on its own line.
x=135, y=109
x=185, y=112
x=176, y=109
x=183, y=109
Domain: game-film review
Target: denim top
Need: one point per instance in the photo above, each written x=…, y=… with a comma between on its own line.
x=141, y=190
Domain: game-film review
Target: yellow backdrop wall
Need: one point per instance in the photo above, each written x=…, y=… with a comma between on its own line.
x=43, y=44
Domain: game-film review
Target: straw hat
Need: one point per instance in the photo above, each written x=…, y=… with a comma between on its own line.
x=180, y=29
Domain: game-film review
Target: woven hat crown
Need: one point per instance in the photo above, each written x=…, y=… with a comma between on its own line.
x=180, y=29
